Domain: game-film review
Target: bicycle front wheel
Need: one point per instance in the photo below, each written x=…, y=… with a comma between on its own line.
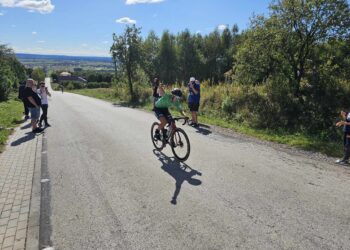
x=158, y=144
x=180, y=144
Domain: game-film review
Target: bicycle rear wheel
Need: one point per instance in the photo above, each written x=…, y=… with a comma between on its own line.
x=158, y=144
x=180, y=144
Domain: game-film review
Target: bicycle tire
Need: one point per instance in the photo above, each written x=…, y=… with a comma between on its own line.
x=159, y=145
x=177, y=142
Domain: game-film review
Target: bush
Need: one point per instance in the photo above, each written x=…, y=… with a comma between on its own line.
x=73, y=85
x=95, y=85
x=5, y=89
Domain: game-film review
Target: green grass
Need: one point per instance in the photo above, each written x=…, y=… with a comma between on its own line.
x=11, y=113
x=298, y=140
x=102, y=93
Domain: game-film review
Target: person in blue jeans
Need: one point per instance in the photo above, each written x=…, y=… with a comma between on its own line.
x=193, y=100
x=33, y=102
x=346, y=137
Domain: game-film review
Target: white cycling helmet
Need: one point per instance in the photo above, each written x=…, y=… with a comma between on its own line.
x=192, y=79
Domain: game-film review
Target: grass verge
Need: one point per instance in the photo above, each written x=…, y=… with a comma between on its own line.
x=298, y=140
x=10, y=116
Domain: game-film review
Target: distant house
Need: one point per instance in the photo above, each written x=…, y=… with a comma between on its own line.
x=67, y=77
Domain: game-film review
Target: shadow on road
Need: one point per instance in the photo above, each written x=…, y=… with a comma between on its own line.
x=26, y=126
x=202, y=129
x=179, y=171
x=29, y=136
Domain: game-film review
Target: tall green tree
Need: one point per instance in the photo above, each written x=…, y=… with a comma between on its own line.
x=189, y=60
x=150, y=55
x=302, y=25
x=127, y=53
x=213, y=56
x=167, y=58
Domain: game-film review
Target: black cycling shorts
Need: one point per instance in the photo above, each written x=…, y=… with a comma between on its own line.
x=193, y=107
x=163, y=112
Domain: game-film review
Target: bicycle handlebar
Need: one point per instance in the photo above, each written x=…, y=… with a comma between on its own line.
x=181, y=118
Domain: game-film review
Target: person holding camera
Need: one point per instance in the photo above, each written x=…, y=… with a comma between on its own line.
x=44, y=93
x=193, y=100
x=346, y=137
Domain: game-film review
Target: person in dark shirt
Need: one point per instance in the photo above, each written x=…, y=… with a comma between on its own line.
x=193, y=100
x=33, y=102
x=155, y=85
x=346, y=137
x=21, y=88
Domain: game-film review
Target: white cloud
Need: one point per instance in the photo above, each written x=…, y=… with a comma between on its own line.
x=105, y=42
x=1, y=14
x=34, y=33
x=198, y=32
x=41, y=6
x=142, y=1
x=222, y=27
x=41, y=41
x=126, y=20
x=84, y=45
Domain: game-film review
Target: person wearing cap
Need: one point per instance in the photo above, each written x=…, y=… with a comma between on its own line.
x=193, y=100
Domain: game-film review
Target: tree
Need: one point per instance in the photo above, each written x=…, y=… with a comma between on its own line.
x=38, y=74
x=11, y=72
x=213, y=56
x=150, y=55
x=167, y=58
x=302, y=24
x=189, y=61
x=126, y=53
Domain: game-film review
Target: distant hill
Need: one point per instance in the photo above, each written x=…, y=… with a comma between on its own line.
x=63, y=58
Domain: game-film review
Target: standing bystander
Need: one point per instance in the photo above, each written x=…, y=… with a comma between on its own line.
x=346, y=136
x=193, y=100
x=21, y=88
x=33, y=102
x=155, y=85
x=44, y=92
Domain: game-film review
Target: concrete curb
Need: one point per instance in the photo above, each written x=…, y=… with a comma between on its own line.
x=32, y=242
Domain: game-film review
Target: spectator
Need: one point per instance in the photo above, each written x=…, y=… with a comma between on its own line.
x=193, y=100
x=21, y=97
x=346, y=137
x=44, y=92
x=155, y=85
x=33, y=102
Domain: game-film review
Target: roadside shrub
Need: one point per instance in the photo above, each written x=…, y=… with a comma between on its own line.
x=95, y=85
x=5, y=89
x=73, y=85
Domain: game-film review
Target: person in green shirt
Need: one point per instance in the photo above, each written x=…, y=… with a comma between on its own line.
x=162, y=106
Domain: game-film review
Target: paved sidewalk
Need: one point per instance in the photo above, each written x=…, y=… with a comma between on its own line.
x=17, y=165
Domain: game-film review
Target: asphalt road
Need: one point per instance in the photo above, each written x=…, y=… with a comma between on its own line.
x=111, y=190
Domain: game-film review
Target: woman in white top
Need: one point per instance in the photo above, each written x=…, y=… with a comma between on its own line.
x=43, y=92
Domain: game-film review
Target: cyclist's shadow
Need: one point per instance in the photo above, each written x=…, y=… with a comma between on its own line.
x=178, y=171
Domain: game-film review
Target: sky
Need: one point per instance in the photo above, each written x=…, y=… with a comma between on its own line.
x=85, y=27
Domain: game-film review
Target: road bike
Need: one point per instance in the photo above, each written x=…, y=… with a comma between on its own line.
x=175, y=137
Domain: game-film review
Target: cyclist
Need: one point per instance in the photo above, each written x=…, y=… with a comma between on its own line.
x=162, y=106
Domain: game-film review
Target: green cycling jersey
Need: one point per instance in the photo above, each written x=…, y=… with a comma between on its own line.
x=166, y=101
